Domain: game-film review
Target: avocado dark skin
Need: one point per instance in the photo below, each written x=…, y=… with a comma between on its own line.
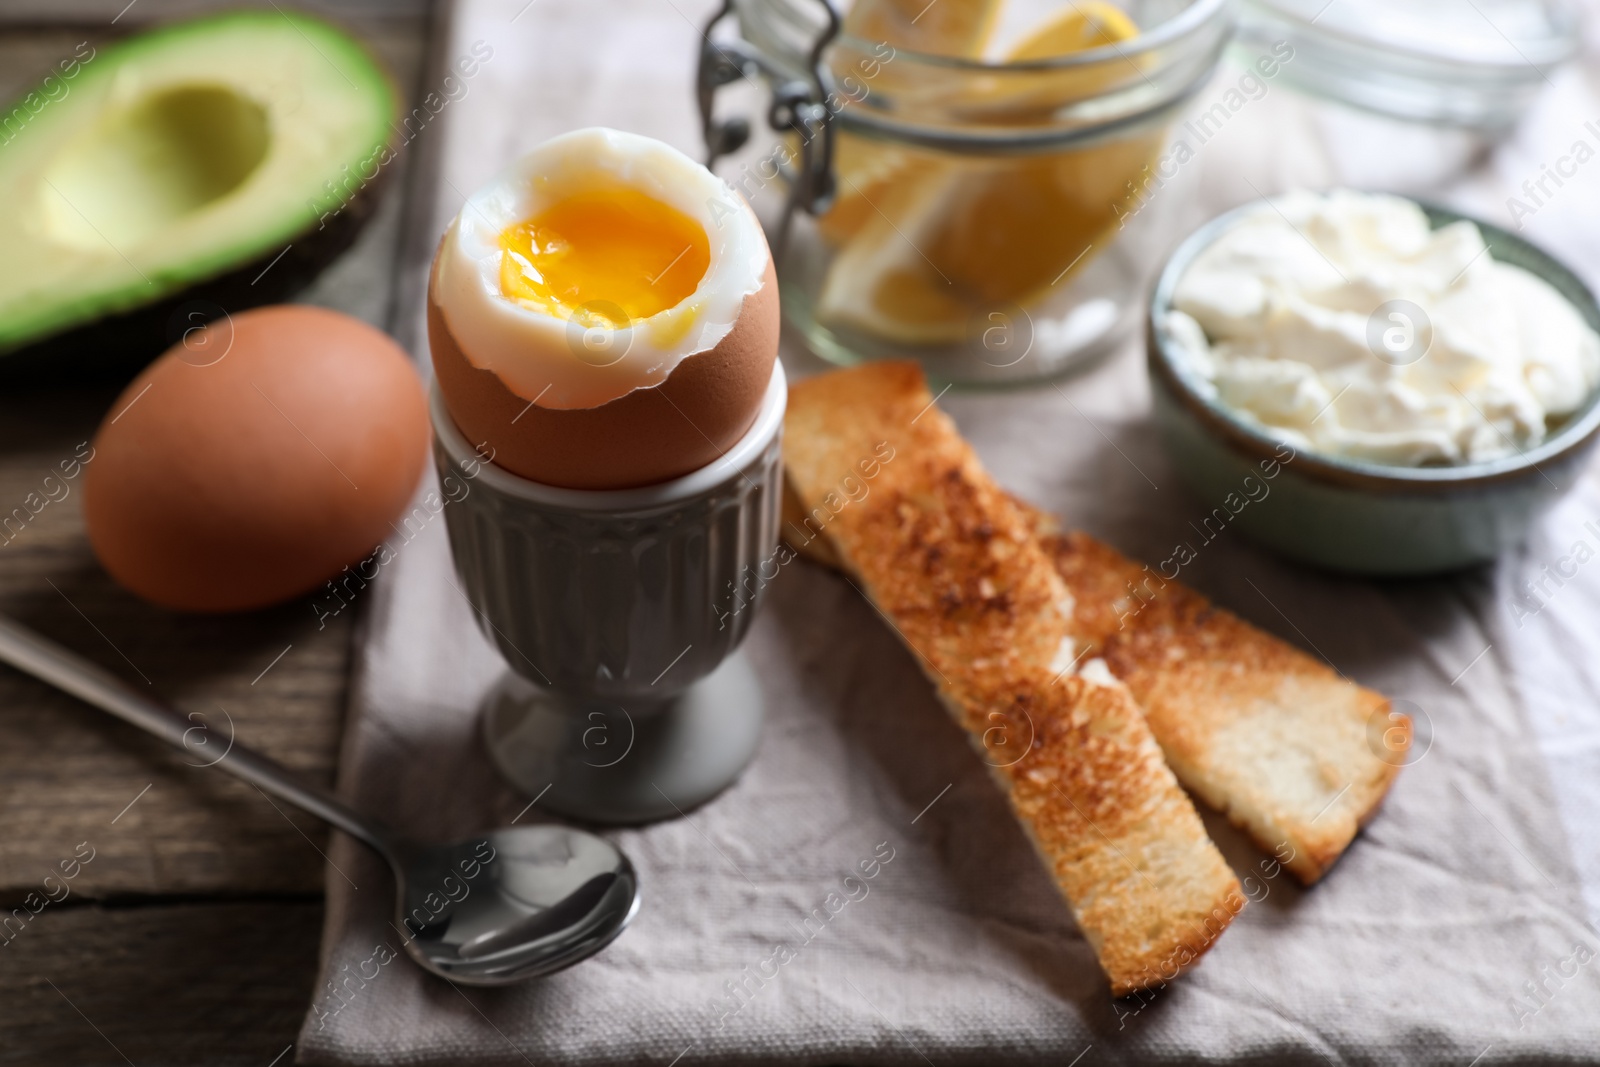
x=112, y=350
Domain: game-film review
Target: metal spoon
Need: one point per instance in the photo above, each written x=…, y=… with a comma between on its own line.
x=505, y=905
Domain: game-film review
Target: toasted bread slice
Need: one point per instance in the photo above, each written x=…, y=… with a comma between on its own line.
x=954, y=566
x=1295, y=755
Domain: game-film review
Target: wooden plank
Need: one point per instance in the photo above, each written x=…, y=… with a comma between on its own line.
x=223, y=983
x=193, y=973
x=67, y=772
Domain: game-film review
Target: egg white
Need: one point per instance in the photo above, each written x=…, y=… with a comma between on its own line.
x=563, y=364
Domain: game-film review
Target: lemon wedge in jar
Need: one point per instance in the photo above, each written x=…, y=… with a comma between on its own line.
x=940, y=28
x=1079, y=28
x=866, y=170
x=936, y=242
x=957, y=28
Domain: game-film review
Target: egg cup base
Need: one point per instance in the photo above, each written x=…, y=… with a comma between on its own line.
x=619, y=614
x=620, y=764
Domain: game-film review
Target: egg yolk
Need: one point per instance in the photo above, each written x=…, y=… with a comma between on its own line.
x=615, y=255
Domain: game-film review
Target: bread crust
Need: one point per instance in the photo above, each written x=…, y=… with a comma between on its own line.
x=1295, y=755
x=955, y=567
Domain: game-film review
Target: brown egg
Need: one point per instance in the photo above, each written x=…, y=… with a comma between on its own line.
x=256, y=459
x=648, y=436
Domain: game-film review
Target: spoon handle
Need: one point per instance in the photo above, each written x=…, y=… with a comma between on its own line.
x=44, y=659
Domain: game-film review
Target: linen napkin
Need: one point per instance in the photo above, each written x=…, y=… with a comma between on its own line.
x=1416, y=948
x=1457, y=929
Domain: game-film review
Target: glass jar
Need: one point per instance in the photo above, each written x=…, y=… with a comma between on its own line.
x=997, y=221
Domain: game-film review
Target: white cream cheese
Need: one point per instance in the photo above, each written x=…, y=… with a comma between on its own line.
x=1284, y=318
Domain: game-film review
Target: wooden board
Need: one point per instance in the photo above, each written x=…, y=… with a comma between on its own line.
x=197, y=983
x=191, y=936
x=67, y=772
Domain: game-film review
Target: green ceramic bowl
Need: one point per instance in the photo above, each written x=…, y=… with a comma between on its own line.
x=1352, y=515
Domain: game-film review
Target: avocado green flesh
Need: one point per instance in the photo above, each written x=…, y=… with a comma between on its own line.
x=177, y=156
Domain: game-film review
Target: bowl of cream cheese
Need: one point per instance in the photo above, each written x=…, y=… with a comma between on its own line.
x=1373, y=385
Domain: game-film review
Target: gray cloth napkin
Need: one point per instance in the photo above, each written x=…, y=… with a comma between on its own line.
x=1415, y=949
x=1454, y=931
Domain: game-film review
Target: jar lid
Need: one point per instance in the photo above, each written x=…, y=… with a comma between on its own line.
x=1476, y=64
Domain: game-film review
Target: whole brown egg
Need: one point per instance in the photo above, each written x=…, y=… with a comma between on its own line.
x=255, y=459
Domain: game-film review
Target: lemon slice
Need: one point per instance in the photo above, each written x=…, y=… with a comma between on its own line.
x=1024, y=98
x=959, y=28
x=936, y=246
x=866, y=170
x=880, y=281
x=1084, y=25
x=936, y=27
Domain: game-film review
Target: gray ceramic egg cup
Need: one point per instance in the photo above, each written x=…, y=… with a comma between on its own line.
x=620, y=614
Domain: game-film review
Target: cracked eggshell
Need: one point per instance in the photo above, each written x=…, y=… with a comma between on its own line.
x=648, y=436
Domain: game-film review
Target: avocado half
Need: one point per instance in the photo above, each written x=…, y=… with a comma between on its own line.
x=201, y=168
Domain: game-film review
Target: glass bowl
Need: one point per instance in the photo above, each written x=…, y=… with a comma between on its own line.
x=1472, y=64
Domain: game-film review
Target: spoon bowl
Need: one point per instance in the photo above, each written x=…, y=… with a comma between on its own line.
x=512, y=903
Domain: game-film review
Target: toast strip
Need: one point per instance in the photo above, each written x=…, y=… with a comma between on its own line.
x=955, y=567
x=1293, y=754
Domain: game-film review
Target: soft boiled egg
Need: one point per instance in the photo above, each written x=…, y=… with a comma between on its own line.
x=604, y=314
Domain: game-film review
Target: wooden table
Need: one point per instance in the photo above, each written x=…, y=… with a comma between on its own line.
x=191, y=935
